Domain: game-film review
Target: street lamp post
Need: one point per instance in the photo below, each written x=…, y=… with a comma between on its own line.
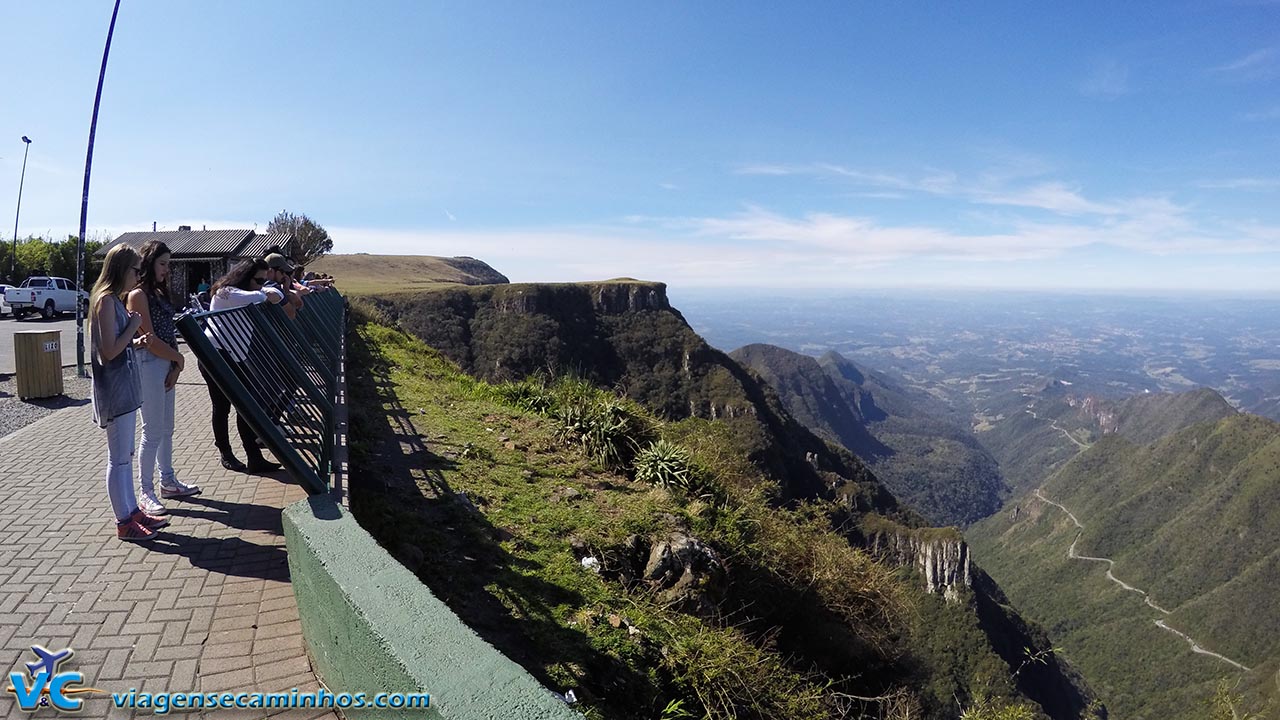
x=13, y=261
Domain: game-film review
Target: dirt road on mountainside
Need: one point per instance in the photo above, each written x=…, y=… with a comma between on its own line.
x=1072, y=554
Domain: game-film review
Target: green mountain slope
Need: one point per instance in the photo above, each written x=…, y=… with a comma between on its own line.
x=909, y=440
x=1192, y=520
x=1034, y=432
x=625, y=337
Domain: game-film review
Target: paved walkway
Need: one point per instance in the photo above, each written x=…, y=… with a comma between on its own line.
x=206, y=607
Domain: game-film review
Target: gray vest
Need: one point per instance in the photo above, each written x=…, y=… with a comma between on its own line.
x=117, y=387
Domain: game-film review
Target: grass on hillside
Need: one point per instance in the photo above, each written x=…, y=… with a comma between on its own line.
x=363, y=274
x=495, y=495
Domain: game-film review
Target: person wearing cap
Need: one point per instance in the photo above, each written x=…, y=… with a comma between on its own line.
x=280, y=271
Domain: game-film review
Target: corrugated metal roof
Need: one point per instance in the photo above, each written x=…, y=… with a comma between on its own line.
x=258, y=244
x=190, y=244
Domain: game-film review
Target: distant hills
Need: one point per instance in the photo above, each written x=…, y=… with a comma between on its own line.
x=1033, y=433
x=1191, y=518
x=911, y=441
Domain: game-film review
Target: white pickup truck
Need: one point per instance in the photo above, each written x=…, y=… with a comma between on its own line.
x=45, y=295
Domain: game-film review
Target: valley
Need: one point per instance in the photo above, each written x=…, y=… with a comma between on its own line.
x=1128, y=433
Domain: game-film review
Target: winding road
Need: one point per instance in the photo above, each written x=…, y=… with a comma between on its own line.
x=1071, y=553
x=1054, y=425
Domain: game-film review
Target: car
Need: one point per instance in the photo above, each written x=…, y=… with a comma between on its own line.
x=48, y=296
x=4, y=306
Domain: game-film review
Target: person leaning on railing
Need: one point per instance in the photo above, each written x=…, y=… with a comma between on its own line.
x=241, y=286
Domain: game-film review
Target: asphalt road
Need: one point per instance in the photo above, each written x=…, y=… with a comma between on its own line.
x=66, y=324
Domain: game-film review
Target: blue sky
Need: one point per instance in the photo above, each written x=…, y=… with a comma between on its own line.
x=1079, y=145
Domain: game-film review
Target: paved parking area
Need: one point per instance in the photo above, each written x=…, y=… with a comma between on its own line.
x=207, y=607
x=66, y=324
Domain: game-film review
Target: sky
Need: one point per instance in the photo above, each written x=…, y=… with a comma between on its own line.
x=1072, y=145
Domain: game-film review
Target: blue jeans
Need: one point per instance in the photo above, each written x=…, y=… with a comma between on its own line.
x=157, y=423
x=120, y=432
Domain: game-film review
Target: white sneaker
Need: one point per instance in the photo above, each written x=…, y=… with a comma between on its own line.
x=150, y=505
x=178, y=489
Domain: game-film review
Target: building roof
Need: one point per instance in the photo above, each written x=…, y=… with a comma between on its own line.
x=259, y=244
x=190, y=244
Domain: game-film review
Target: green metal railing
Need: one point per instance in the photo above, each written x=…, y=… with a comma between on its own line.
x=283, y=375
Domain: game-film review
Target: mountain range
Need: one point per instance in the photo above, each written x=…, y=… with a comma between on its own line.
x=1184, y=512
x=914, y=443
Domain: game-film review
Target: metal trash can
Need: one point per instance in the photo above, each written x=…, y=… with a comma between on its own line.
x=39, y=363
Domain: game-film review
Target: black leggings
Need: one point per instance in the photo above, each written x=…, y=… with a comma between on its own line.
x=221, y=416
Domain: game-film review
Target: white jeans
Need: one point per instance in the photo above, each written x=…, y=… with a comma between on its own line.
x=157, y=423
x=120, y=432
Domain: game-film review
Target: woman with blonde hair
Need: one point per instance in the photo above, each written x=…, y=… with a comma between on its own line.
x=117, y=392
x=158, y=367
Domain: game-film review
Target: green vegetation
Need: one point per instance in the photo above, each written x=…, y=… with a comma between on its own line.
x=51, y=257
x=1031, y=438
x=929, y=461
x=546, y=514
x=1193, y=520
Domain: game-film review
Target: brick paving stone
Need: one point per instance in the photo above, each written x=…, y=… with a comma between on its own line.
x=207, y=606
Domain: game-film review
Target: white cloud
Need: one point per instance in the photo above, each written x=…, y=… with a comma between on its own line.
x=1248, y=62
x=1271, y=113
x=1108, y=79
x=1257, y=65
x=1244, y=183
x=1053, y=197
x=758, y=246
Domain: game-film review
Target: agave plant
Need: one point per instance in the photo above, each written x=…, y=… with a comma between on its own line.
x=666, y=464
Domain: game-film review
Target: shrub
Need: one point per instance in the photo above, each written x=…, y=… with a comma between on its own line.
x=608, y=429
x=664, y=463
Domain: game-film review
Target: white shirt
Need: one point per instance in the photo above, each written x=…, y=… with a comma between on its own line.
x=234, y=334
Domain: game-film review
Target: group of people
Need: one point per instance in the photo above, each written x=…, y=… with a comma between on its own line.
x=136, y=363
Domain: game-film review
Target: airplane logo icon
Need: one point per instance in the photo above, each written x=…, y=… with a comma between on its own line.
x=49, y=661
x=47, y=686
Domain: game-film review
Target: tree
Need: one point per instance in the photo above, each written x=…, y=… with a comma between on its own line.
x=310, y=240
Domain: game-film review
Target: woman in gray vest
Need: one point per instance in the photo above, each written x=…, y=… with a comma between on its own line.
x=158, y=367
x=117, y=392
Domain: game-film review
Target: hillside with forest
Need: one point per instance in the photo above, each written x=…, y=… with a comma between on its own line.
x=624, y=496
x=1190, y=522
x=910, y=440
x=1032, y=433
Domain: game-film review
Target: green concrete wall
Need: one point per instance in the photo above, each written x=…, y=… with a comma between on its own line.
x=371, y=625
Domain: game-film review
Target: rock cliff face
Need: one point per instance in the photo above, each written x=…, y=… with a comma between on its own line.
x=941, y=557
x=624, y=334
x=607, y=298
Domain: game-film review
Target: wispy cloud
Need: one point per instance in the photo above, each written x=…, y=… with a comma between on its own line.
x=1244, y=183
x=765, y=169
x=761, y=246
x=999, y=186
x=1257, y=65
x=1271, y=113
x=450, y=215
x=1108, y=79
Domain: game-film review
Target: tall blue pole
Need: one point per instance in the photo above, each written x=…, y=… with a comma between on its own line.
x=84, y=199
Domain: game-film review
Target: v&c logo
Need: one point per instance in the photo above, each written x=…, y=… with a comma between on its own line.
x=46, y=686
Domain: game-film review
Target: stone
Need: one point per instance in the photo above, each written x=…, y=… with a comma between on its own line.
x=686, y=573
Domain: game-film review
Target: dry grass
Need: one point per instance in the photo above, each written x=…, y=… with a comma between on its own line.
x=364, y=274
